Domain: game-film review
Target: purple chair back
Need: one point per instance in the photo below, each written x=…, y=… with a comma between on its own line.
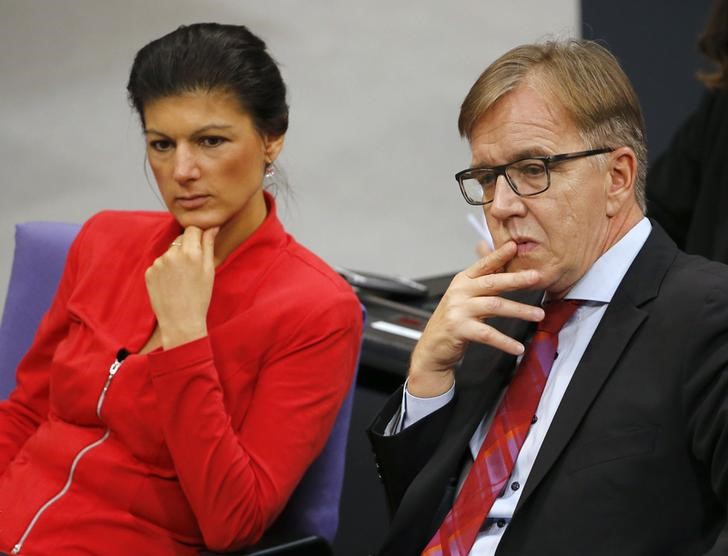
x=314, y=506
x=40, y=254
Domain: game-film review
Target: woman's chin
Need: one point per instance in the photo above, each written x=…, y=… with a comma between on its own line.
x=198, y=218
x=202, y=223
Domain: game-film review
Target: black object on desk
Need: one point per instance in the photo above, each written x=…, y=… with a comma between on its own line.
x=397, y=311
x=390, y=285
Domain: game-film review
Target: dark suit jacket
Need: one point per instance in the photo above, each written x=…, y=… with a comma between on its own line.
x=636, y=459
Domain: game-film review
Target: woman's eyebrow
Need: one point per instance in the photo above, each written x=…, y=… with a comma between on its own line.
x=203, y=129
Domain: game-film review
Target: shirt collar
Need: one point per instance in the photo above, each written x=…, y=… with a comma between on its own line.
x=268, y=238
x=604, y=276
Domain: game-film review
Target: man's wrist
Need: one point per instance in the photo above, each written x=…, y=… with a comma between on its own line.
x=427, y=379
x=424, y=384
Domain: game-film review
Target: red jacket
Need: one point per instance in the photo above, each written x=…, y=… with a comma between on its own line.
x=197, y=445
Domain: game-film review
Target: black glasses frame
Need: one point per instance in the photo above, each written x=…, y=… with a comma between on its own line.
x=501, y=171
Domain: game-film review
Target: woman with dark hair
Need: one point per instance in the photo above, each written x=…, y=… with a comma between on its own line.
x=193, y=361
x=687, y=187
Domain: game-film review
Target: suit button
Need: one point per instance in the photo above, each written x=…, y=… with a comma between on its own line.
x=515, y=485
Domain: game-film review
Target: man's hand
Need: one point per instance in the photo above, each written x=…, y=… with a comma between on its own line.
x=472, y=297
x=179, y=284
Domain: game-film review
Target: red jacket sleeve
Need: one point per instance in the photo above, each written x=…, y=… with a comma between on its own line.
x=238, y=481
x=27, y=406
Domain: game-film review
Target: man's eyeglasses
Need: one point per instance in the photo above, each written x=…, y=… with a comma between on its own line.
x=526, y=177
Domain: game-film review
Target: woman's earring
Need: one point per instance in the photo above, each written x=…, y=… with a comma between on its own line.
x=270, y=171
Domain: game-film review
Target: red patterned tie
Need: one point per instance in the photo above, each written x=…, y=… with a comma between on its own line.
x=494, y=464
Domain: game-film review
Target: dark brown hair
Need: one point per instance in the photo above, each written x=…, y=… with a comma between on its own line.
x=713, y=43
x=212, y=57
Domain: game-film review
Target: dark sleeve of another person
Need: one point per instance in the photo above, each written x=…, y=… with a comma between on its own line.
x=674, y=180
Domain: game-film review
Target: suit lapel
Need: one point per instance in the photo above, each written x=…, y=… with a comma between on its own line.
x=620, y=322
x=614, y=332
x=482, y=375
x=485, y=371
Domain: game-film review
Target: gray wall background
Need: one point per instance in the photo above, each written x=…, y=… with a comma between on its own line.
x=374, y=89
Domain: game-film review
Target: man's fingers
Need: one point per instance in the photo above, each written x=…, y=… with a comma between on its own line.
x=486, y=307
x=493, y=261
x=484, y=334
x=495, y=284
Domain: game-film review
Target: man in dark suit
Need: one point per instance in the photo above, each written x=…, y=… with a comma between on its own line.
x=624, y=450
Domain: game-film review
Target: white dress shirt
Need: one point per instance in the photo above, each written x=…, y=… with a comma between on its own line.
x=596, y=288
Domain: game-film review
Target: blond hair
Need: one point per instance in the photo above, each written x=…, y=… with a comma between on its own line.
x=588, y=82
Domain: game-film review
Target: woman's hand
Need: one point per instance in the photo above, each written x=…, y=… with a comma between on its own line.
x=461, y=317
x=179, y=284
